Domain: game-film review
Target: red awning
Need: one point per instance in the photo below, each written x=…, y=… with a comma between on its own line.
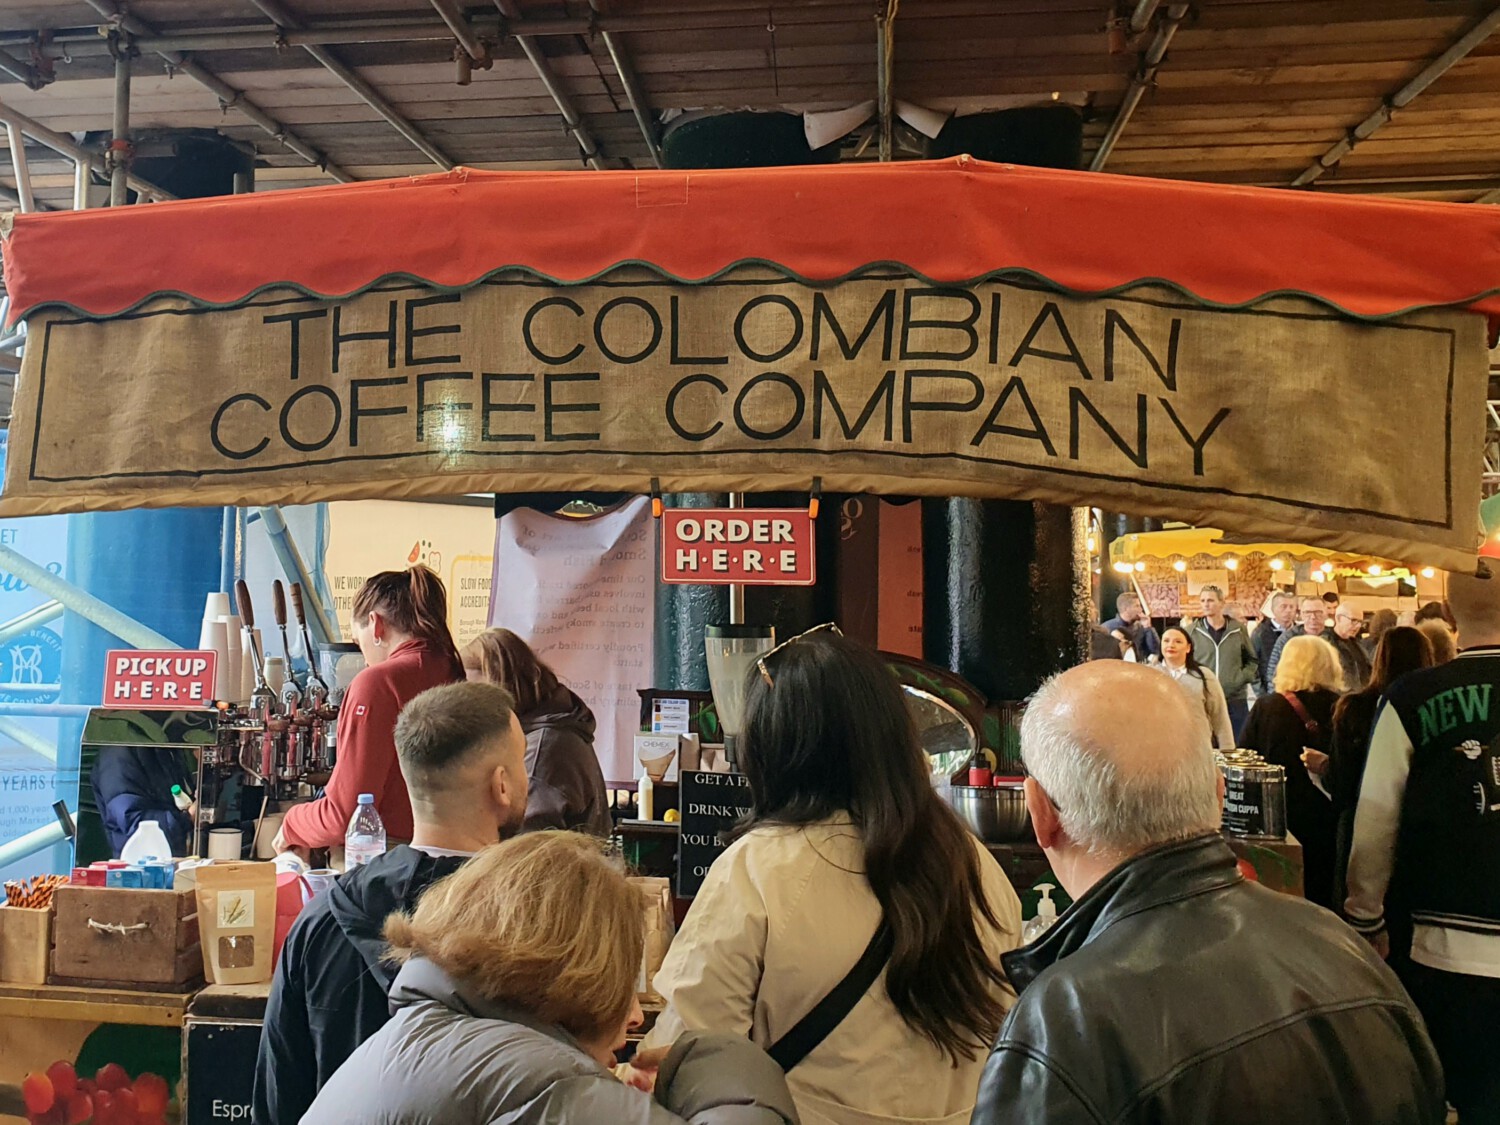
x=950, y=221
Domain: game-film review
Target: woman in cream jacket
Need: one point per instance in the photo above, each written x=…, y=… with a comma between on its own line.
x=847, y=830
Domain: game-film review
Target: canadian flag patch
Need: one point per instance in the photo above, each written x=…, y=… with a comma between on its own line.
x=360, y=710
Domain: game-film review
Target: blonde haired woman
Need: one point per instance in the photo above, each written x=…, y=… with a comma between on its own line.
x=1284, y=727
x=517, y=986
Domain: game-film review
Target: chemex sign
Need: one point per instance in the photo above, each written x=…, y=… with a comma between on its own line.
x=738, y=546
x=175, y=679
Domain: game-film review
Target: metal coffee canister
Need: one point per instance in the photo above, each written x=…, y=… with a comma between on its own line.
x=1254, y=795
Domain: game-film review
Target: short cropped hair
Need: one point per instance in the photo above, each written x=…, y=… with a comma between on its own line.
x=1125, y=599
x=1112, y=811
x=446, y=724
x=1307, y=663
x=544, y=922
x=1283, y=596
x=1214, y=590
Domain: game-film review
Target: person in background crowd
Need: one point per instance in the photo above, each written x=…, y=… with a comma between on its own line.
x=1331, y=603
x=401, y=625
x=1382, y=621
x=1177, y=661
x=567, y=785
x=848, y=840
x=1283, y=615
x=1131, y=625
x=1222, y=645
x=1401, y=650
x=1104, y=645
x=463, y=757
x=1348, y=623
x=134, y=783
x=1438, y=611
x=1173, y=990
x=1427, y=828
x=1441, y=637
x=1293, y=729
x=1311, y=623
x=517, y=985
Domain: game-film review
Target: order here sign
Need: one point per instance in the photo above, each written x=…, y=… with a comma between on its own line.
x=179, y=678
x=737, y=546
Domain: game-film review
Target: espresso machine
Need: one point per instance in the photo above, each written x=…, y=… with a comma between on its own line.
x=277, y=748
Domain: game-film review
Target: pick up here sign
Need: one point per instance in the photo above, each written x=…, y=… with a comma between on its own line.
x=1148, y=402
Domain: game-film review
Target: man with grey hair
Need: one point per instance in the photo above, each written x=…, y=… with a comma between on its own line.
x=1173, y=990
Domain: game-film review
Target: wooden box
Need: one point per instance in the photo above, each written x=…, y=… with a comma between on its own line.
x=111, y=936
x=25, y=941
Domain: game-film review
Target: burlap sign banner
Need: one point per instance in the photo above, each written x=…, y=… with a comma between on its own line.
x=1146, y=403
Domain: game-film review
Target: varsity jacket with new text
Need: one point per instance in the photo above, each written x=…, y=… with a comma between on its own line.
x=1429, y=814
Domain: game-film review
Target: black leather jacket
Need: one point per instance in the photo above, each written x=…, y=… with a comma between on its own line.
x=1175, y=991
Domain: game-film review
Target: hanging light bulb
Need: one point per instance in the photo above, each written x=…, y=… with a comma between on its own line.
x=1231, y=564
x=1374, y=570
x=1179, y=566
x=1123, y=568
x=1428, y=572
x=1278, y=564
x=1140, y=566
x=1093, y=544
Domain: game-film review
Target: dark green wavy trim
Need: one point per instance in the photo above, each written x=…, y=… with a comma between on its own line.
x=1006, y=274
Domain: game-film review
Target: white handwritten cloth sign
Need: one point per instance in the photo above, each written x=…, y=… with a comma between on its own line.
x=581, y=593
x=1149, y=402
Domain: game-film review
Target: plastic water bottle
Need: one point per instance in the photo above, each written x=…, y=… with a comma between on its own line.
x=148, y=841
x=366, y=836
x=1046, y=916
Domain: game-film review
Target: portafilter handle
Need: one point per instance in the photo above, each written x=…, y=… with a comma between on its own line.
x=278, y=603
x=312, y=663
x=247, y=611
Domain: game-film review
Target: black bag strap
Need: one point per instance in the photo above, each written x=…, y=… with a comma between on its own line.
x=834, y=1008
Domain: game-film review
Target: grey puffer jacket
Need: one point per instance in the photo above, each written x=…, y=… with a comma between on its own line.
x=449, y=1057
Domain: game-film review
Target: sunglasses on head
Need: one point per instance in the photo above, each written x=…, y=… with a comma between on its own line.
x=761, y=663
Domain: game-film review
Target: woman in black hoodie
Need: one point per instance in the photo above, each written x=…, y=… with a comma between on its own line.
x=566, y=783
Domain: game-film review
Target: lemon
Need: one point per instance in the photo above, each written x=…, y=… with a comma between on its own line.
x=671, y=816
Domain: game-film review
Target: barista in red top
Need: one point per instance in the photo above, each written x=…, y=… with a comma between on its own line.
x=401, y=624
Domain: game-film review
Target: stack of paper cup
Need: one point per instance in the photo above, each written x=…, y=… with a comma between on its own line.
x=233, y=633
x=214, y=637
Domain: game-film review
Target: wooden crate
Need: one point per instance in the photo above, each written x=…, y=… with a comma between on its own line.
x=112, y=936
x=25, y=941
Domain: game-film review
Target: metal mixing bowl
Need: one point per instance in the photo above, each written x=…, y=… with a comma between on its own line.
x=997, y=814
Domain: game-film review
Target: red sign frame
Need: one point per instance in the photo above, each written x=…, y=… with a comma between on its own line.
x=168, y=679
x=738, y=547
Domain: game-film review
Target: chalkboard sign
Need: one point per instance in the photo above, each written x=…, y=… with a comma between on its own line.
x=710, y=804
x=220, y=1069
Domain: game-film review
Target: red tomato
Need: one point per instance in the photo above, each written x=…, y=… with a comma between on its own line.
x=1248, y=871
x=37, y=1093
x=151, y=1095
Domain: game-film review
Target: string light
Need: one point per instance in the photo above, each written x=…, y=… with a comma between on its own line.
x=1231, y=564
x=1140, y=566
x=1179, y=566
x=1123, y=568
x=1093, y=544
x=1428, y=572
x=1374, y=570
x=1278, y=564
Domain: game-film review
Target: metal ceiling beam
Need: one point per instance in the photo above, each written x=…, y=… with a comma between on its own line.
x=70, y=148
x=81, y=42
x=283, y=18
x=22, y=169
x=1144, y=78
x=227, y=94
x=1140, y=19
x=559, y=96
x=458, y=23
x=885, y=96
x=636, y=96
x=1401, y=98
